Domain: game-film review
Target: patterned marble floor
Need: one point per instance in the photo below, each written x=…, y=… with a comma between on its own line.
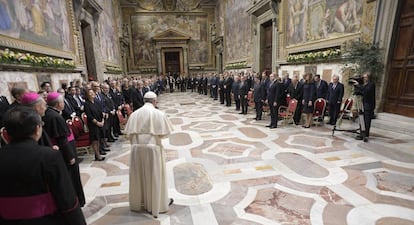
x=228, y=169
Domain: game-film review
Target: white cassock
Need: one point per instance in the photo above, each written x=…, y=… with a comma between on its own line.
x=147, y=179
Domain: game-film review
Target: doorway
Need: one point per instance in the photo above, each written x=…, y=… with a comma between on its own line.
x=89, y=50
x=400, y=88
x=172, y=62
x=266, y=45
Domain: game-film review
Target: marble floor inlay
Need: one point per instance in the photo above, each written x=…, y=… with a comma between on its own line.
x=224, y=168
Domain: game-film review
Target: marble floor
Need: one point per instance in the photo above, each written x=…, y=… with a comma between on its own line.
x=224, y=168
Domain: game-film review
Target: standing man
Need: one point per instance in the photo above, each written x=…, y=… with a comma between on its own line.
x=36, y=188
x=235, y=87
x=368, y=100
x=259, y=93
x=271, y=101
x=295, y=91
x=243, y=90
x=228, y=82
x=4, y=106
x=334, y=99
x=321, y=87
x=60, y=135
x=147, y=177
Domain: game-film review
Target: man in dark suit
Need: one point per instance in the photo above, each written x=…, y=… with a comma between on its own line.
x=258, y=96
x=271, y=101
x=321, y=87
x=4, y=106
x=334, y=98
x=295, y=91
x=367, y=89
x=135, y=94
x=214, y=86
x=228, y=82
x=235, y=87
x=243, y=91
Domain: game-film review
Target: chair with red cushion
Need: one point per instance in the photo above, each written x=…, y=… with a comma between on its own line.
x=128, y=109
x=4, y=135
x=121, y=118
x=250, y=98
x=318, y=110
x=82, y=142
x=346, y=111
x=79, y=124
x=287, y=112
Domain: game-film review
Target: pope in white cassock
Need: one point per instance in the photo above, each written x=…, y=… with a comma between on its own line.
x=147, y=179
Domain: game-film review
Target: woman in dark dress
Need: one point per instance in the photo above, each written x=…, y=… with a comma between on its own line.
x=309, y=96
x=95, y=122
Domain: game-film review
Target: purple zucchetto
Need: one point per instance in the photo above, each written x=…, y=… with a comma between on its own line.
x=30, y=99
x=52, y=97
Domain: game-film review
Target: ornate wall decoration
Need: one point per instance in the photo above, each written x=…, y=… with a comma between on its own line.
x=108, y=34
x=238, y=38
x=322, y=19
x=368, y=23
x=220, y=18
x=39, y=22
x=145, y=27
x=168, y=5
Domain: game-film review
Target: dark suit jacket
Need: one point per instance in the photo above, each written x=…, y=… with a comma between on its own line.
x=322, y=89
x=4, y=106
x=335, y=95
x=271, y=93
x=136, y=98
x=117, y=97
x=259, y=92
x=280, y=94
x=296, y=92
x=243, y=89
x=368, y=95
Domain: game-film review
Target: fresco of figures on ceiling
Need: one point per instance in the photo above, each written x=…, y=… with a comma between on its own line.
x=43, y=22
x=168, y=5
x=320, y=19
x=108, y=34
x=237, y=30
x=145, y=27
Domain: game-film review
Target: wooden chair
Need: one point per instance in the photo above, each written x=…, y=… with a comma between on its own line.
x=82, y=142
x=128, y=109
x=121, y=118
x=287, y=112
x=319, y=110
x=346, y=110
x=4, y=135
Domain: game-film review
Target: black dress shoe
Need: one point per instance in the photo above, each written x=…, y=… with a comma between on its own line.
x=111, y=140
x=241, y=113
x=101, y=159
x=359, y=138
x=102, y=153
x=120, y=133
x=273, y=127
x=106, y=150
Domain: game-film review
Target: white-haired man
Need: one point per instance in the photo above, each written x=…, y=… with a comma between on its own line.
x=147, y=178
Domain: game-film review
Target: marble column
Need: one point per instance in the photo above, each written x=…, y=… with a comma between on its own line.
x=275, y=44
x=159, y=63
x=185, y=63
